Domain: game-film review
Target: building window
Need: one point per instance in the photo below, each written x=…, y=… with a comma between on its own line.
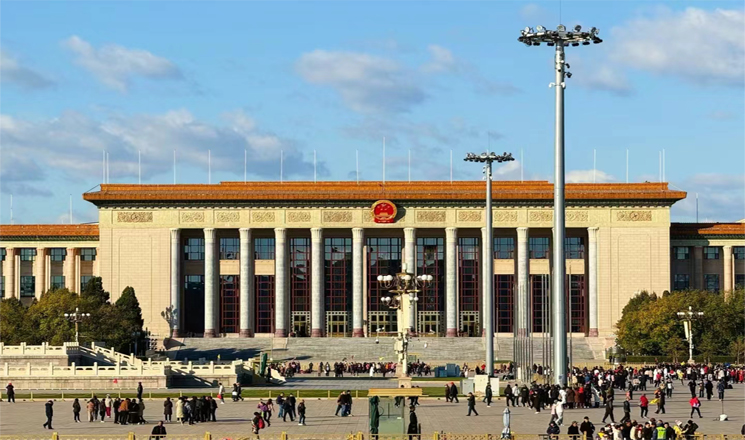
x=87, y=254
x=430, y=259
x=230, y=248
x=84, y=281
x=194, y=249
x=711, y=282
x=539, y=286
x=264, y=248
x=469, y=283
x=505, y=286
x=58, y=282
x=538, y=247
x=383, y=258
x=57, y=254
x=504, y=248
x=711, y=253
x=681, y=252
x=2, y=287
x=740, y=281
x=300, y=274
x=28, y=286
x=737, y=251
x=682, y=281
x=576, y=297
x=28, y=254
x=338, y=285
x=3, y=252
x=574, y=248
x=264, y=301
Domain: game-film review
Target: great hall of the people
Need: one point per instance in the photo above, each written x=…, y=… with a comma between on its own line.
x=301, y=258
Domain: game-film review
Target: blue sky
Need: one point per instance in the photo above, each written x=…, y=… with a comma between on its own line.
x=267, y=79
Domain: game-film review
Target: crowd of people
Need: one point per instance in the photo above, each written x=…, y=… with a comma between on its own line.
x=351, y=368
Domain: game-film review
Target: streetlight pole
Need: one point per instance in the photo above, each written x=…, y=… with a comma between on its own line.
x=488, y=158
x=560, y=38
x=77, y=318
x=403, y=286
x=687, y=318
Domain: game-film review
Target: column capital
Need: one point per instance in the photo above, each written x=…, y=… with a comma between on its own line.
x=358, y=234
x=280, y=233
x=726, y=247
x=316, y=234
x=244, y=233
x=209, y=233
x=522, y=233
x=409, y=233
x=592, y=233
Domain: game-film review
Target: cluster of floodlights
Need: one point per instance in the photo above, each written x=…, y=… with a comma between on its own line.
x=402, y=283
x=534, y=37
x=488, y=157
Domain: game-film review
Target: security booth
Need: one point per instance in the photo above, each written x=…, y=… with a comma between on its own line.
x=389, y=410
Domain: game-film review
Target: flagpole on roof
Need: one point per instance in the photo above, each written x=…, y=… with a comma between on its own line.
x=209, y=166
x=383, y=159
x=409, y=165
x=451, y=167
x=594, y=165
x=627, y=165
x=245, y=164
x=70, y=208
x=139, y=167
x=281, y=166
x=357, y=162
x=174, y=167
x=315, y=173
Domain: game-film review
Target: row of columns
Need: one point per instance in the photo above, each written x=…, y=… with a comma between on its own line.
x=698, y=268
x=281, y=291
x=42, y=271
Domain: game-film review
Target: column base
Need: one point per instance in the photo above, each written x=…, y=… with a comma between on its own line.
x=451, y=333
x=246, y=333
x=593, y=333
x=209, y=333
x=280, y=333
x=176, y=333
x=522, y=332
x=316, y=333
x=358, y=333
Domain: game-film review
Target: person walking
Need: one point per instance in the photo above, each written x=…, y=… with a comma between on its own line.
x=257, y=423
x=10, y=391
x=102, y=409
x=221, y=393
x=609, y=411
x=587, y=428
x=660, y=403
x=141, y=412
x=721, y=386
x=301, y=413
x=91, y=407
x=471, y=404
x=115, y=406
x=488, y=395
x=695, y=406
x=76, y=410
x=508, y=395
x=453, y=393
x=139, y=391
x=644, y=406
x=286, y=410
x=559, y=413
x=159, y=431
x=49, y=411
x=212, y=408
x=124, y=411
x=180, y=411
x=168, y=409
x=413, y=428
x=109, y=402
x=293, y=402
x=626, y=411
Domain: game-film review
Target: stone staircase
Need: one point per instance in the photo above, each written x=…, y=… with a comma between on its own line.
x=436, y=350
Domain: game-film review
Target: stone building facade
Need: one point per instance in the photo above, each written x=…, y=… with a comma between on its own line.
x=268, y=258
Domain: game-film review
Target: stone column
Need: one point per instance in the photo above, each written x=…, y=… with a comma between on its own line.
x=318, y=313
x=280, y=283
x=451, y=282
x=727, y=273
x=176, y=282
x=211, y=302
x=247, y=292
x=523, y=269
x=68, y=268
x=698, y=267
x=358, y=243
x=40, y=274
x=592, y=264
x=410, y=260
x=10, y=273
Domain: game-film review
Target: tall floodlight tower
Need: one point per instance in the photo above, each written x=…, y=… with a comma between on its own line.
x=560, y=39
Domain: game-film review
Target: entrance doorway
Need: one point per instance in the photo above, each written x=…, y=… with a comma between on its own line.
x=429, y=324
x=337, y=324
x=229, y=303
x=469, y=324
x=301, y=324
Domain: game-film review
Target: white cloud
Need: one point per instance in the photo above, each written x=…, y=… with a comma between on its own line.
x=442, y=60
x=366, y=83
x=588, y=176
x=13, y=72
x=701, y=46
x=116, y=66
x=72, y=145
x=602, y=77
x=532, y=11
x=721, y=198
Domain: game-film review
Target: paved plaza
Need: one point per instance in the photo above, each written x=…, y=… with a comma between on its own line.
x=434, y=415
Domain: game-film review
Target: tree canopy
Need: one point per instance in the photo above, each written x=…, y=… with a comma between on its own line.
x=650, y=326
x=44, y=321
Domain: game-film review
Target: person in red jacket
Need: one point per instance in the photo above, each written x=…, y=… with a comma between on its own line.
x=695, y=406
x=644, y=405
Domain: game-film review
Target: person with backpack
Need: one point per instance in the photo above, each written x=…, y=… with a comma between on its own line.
x=695, y=406
x=257, y=423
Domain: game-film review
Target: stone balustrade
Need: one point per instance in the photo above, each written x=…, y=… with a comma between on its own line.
x=38, y=350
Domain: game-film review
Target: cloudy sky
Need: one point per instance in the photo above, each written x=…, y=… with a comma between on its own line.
x=271, y=80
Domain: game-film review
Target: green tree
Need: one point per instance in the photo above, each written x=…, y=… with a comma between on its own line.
x=14, y=328
x=128, y=321
x=46, y=321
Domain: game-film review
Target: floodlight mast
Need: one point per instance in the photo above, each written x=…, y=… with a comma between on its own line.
x=560, y=38
x=488, y=265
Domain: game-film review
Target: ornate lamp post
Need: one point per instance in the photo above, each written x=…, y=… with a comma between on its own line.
x=560, y=38
x=488, y=158
x=687, y=318
x=77, y=318
x=404, y=287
